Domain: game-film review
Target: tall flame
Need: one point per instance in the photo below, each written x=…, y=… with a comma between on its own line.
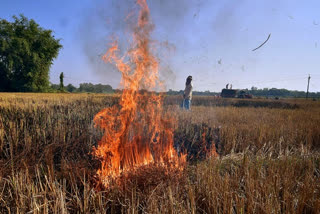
x=136, y=132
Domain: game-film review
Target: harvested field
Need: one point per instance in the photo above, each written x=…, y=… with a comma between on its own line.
x=268, y=158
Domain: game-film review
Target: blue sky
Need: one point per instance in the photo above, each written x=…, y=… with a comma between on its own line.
x=212, y=40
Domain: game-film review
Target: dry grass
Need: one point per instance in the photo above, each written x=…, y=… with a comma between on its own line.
x=269, y=158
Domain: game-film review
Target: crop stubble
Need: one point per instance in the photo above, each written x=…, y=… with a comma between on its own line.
x=268, y=158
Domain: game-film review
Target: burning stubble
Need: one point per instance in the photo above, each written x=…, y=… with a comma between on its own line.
x=137, y=132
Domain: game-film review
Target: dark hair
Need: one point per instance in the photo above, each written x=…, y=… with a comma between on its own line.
x=189, y=79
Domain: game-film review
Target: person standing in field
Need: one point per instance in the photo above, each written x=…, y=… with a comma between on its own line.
x=187, y=95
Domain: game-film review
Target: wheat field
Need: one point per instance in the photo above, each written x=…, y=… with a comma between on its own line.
x=267, y=158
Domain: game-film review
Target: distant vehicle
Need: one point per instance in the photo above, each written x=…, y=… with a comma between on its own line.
x=233, y=93
x=244, y=94
x=229, y=93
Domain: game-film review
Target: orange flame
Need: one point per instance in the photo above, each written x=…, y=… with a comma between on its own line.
x=137, y=132
x=211, y=152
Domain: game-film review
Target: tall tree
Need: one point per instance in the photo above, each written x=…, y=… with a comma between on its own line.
x=26, y=54
x=61, y=87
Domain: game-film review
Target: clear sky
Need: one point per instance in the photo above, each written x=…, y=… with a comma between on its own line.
x=212, y=40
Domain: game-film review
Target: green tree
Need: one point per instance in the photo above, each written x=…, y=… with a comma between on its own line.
x=55, y=87
x=71, y=88
x=99, y=88
x=26, y=54
x=61, y=86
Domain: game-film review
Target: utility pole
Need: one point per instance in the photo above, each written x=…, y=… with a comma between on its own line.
x=308, y=87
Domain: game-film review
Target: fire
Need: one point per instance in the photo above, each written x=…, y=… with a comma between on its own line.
x=137, y=132
x=210, y=152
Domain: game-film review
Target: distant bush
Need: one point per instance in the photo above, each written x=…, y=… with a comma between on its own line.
x=84, y=87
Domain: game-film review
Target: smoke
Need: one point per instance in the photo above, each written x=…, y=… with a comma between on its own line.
x=107, y=20
x=102, y=23
x=176, y=28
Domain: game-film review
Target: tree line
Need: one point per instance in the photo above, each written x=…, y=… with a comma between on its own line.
x=265, y=92
x=275, y=92
x=83, y=87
